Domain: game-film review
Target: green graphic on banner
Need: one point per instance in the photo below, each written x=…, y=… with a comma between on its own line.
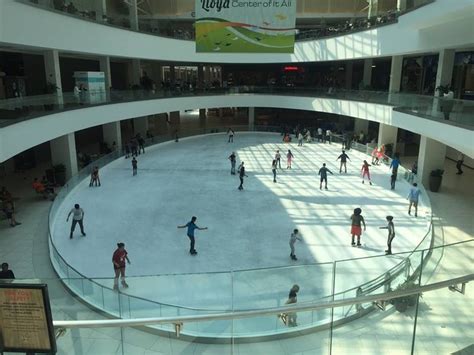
x=227, y=26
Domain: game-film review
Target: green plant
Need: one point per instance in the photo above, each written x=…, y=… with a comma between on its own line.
x=437, y=172
x=442, y=89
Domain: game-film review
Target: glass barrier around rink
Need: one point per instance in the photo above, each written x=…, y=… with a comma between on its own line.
x=321, y=282
x=181, y=26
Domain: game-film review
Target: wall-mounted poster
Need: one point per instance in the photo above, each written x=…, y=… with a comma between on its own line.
x=245, y=26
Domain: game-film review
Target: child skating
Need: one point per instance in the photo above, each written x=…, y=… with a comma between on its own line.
x=134, y=166
x=391, y=234
x=274, y=170
x=365, y=172
x=293, y=238
x=118, y=259
x=289, y=158
x=278, y=158
x=356, y=222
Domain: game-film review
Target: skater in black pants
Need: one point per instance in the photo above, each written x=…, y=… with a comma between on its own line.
x=393, y=180
x=391, y=234
x=191, y=225
x=232, y=163
x=134, y=166
x=323, y=172
x=95, y=177
x=294, y=236
x=344, y=157
x=277, y=158
x=230, y=133
x=77, y=217
x=241, y=176
x=274, y=170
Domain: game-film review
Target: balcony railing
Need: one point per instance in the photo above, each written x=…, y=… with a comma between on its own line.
x=457, y=112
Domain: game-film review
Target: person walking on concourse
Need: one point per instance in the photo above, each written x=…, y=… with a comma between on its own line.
x=118, y=260
x=77, y=217
x=344, y=157
x=323, y=172
x=191, y=225
x=241, y=176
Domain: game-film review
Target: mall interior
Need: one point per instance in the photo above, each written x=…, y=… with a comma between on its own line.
x=93, y=84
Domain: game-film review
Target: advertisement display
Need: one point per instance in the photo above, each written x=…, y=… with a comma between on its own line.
x=238, y=26
x=26, y=324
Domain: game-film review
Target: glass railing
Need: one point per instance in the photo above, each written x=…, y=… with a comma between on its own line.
x=459, y=112
x=322, y=282
x=183, y=28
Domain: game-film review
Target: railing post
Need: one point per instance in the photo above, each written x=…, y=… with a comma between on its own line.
x=332, y=308
x=417, y=304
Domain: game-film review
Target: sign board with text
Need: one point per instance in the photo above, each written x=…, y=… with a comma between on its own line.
x=245, y=26
x=26, y=324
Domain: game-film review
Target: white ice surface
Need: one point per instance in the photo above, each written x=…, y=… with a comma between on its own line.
x=247, y=230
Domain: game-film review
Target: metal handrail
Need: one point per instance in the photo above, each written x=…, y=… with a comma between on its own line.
x=265, y=312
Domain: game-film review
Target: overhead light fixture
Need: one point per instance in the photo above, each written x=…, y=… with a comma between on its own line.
x=373, y=65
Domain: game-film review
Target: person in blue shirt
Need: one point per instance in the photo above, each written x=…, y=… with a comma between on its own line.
x=191, y=225
x=413, y=196
x=395, y=163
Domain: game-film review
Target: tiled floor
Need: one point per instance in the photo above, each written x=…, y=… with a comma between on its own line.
x=445, y=322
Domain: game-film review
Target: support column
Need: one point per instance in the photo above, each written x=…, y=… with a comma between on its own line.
x=251, y=118
x=140, y=125
x=200, y=77
x=53, y=69
x=134, y=72
x=112, y=133
x=361, y=125
x=401, y=5
x=367, y=77
x=348, y=69
x=172, y=76
x=388, y=135
x=105, y=67
x=444, y=74
x=63, y=151
x=431, y=156
x=101, y=10
x=395, y=73
x=133, y=15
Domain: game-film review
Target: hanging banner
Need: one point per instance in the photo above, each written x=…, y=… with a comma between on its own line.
x=239, y=26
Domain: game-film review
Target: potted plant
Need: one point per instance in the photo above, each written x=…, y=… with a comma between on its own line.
x=60, y=174
x=436, y=176
x=442, y=89
x=401, y=304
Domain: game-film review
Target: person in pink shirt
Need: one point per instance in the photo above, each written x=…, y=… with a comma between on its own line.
x=365, y=172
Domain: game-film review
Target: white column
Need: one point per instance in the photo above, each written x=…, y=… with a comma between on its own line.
x=367, y=77
x=200, y=77
x=105, y=67
x=133, y=15
x=361, y=125
x=172, y=76
x=388, y=135
x=395, y=73
x=251, y=117
x=63, y=151
x=100, y=10
x=53, y=69
x=348, y=73
x=134, y=72
x=112, y=133
x=140, y=125
x=431, y=156
x=445, y=67
x=401, y=5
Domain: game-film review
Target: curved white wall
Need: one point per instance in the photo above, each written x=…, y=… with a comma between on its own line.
x=24, y=135
x=442, y=24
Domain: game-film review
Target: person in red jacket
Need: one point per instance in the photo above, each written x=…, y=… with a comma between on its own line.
x=118, y=259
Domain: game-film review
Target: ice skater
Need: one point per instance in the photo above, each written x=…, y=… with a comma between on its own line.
x=413, y=197
x=289, y=158
x=459, y=163
x=293, y=238
x=230, y=133
x=395, y=163
x=391, y=234
x=232, y=163
x=344, y=157
x=356, y=230
x=118, y=259
x=278, y=158
x=393, y=180
x=95, y=179
x=323, y=173
x=134, y=166
x=274, y=170
x=300, y=139
x=77, y=217
x=141, y=144
x=241, y=176
x=191, y=225
x=365, y=172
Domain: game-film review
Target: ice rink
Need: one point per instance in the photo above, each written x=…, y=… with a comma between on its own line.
x=248, y=229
